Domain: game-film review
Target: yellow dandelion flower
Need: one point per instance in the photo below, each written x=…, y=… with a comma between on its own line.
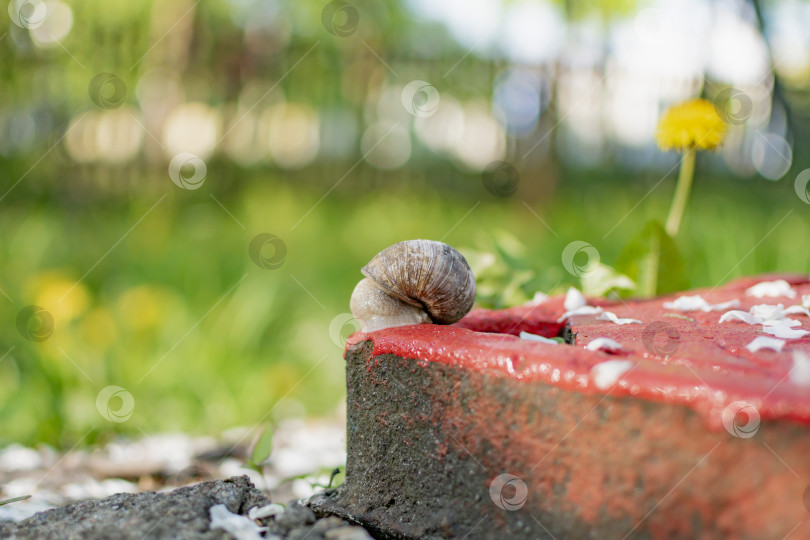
x=143, y=307
x=61, y=295
x=692, y=124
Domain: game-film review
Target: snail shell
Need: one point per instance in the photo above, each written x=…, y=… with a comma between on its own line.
x=425, y=274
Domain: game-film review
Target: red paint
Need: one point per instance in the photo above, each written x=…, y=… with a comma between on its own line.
x=540, y=319
x=580, y=462
x=710, y=369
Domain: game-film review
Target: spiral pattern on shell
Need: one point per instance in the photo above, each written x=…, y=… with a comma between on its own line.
x=426, y=274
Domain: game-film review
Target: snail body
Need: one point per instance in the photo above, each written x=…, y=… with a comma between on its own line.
x=376, y=309
x=413, y=282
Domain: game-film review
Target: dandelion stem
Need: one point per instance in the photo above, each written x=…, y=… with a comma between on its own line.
x=685, y=176
x=649, y=286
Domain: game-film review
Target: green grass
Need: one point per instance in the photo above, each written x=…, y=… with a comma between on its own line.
x=153, y=314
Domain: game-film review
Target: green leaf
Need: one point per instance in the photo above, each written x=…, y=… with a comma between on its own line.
x=15, y=499
x=337, y=478
x=481, y=262
x=503, y=273
x=512, y=293
x=510, y=250
x=653, y=261
x=263, y=447
x=602, y=279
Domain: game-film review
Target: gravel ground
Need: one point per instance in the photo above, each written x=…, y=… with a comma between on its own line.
x=304, y=455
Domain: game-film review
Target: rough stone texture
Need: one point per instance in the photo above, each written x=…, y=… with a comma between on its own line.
x=435, y=414
x=181, y=513
x=298, y=522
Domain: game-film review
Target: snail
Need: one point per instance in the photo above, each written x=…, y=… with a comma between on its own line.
x=413, y=282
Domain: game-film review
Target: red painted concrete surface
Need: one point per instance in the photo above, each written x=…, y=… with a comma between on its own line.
x=649, y=455
x=710, y=369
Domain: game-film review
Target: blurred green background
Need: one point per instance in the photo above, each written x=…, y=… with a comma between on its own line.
x=533, y=127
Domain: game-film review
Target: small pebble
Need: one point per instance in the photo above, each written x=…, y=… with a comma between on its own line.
x=349, y=532
x=325, y=524
x=295, y=516
x=274, y=528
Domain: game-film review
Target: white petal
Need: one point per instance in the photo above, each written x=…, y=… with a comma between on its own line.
x=800, y=372
x=767, y=311
x=772, y=289
x=608, y=316
x=265, y=511
x=603, y=344
x=737, y=315
x=697, y=303
x=605, y=374
x=582, y=310
x=539, y=298
x=790, y=323
x=724, y=305
x=535, y=337
x=795, y=310
x=238, y=526
x=782, y=331
x=574, y=300
x=765, y=342
x=806, y=300
x=687, y=303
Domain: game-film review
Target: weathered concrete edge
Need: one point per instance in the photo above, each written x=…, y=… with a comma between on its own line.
x=785, y=437
x=325, y=504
